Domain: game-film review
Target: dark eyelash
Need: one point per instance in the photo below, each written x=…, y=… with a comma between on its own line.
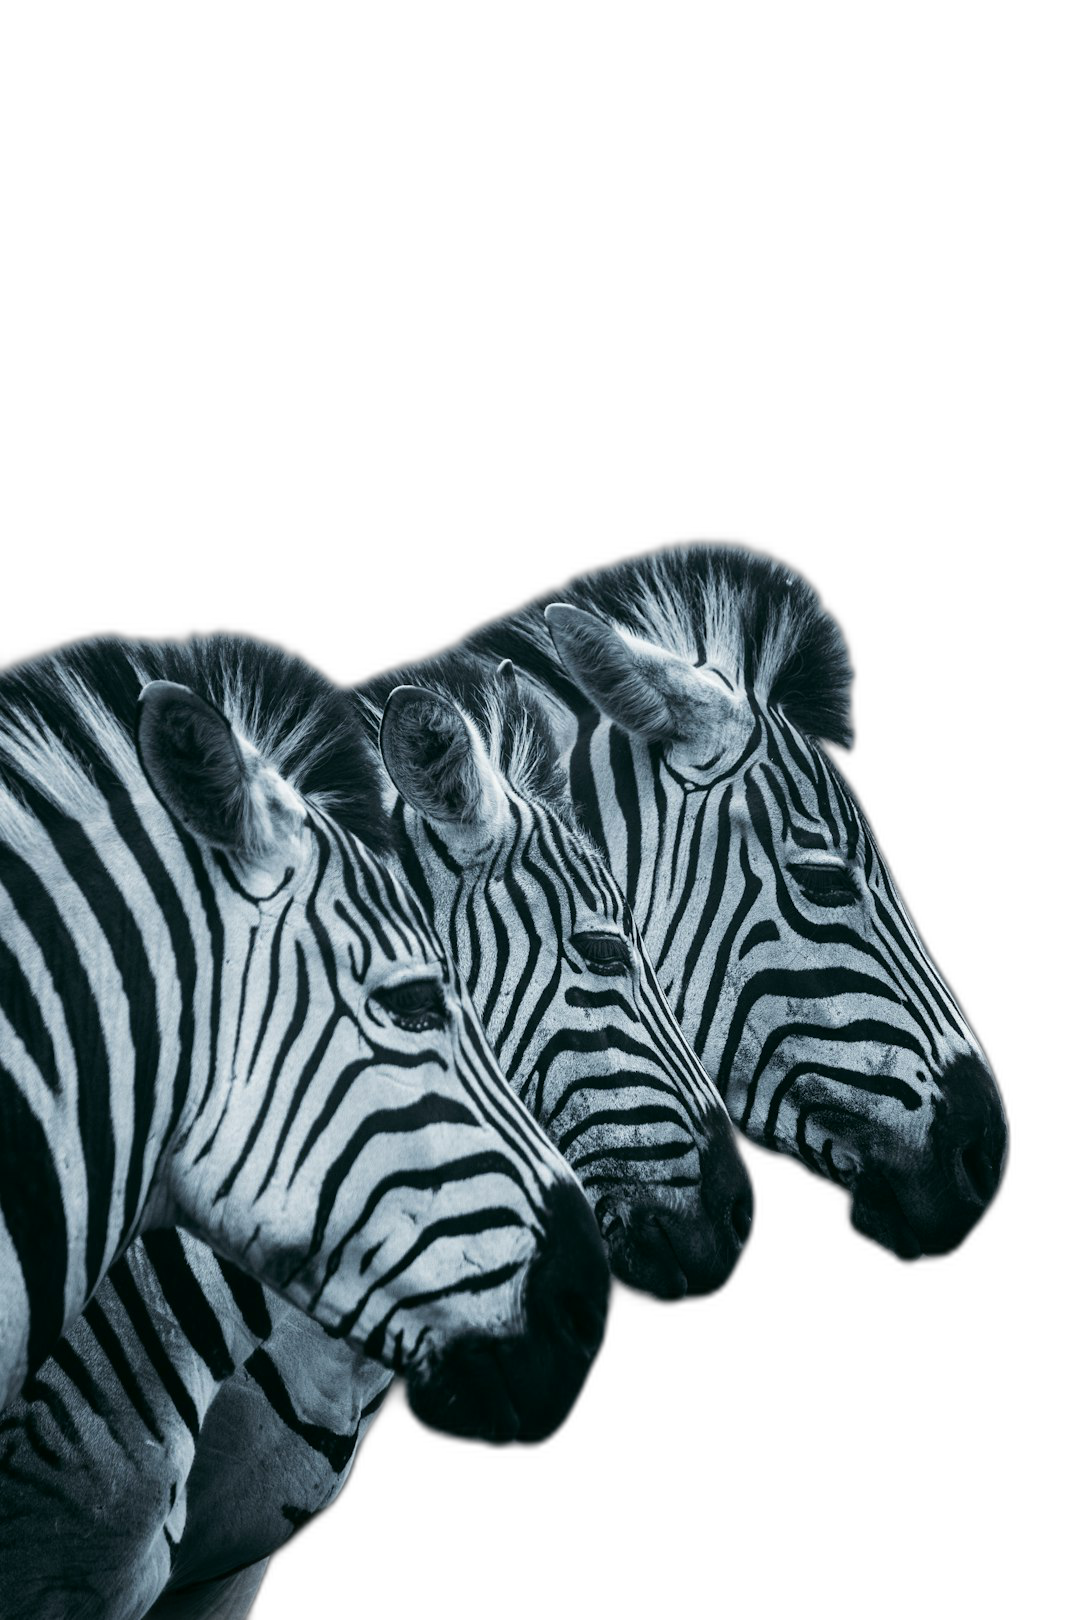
x=825, y=885
x=415, y=1006
x=608, y=953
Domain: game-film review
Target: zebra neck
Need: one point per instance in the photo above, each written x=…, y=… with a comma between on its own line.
x=104, y=1034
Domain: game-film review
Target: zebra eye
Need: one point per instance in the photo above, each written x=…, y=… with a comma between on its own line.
x=415, y=1006
x=825, y=885
x=608, y=952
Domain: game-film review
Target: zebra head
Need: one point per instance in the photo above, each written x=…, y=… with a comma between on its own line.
x=775, y=926
x=556, y=967
x=355, y=1145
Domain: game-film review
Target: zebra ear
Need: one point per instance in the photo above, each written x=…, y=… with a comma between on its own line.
x=215, y=785
x=648, y=691
x=434, y=757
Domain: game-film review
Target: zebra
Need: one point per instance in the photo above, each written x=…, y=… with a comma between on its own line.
x=552, y=959
x=692, y=690
x=220, y=1008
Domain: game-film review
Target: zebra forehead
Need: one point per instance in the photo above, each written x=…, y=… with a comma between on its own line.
x=755, y=619
x=67, y=720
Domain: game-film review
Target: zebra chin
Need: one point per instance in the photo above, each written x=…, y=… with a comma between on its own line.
x=674, y=1241
x=521, y=1386
x=931, y=1208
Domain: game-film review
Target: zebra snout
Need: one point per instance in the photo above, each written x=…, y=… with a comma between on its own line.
x=969, y=1137
x=672, y=1241
x=566, y=1290
x=725, y=1185
x=521, y=1386
x=931, y=1205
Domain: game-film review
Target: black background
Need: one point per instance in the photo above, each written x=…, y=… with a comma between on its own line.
x=829, y=1394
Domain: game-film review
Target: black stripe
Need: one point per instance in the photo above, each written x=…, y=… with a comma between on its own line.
x=787, y=831
x=654, y=1153
x=39, y=914
x=269, y=1003
x=920, y=982
x=225, y=868
x=794, y=984
x=501, y=948
x=33, y=1209
x=583, y=783
x=411, y=863
x=622, y=1119
x=608, y=1039
x=619, y=1082
x=565, y=865
x=312, y=1066
x=79, y=1375
x=762, y=933
x=336, y=1448
x=185, y=1298
x=19, y=1005
x=525, y=984
x=253, y=934
x=687, y=875
x=874, y=1084
x=103, y=1331
x=216, y=929
x=747, y=900
x=854, y=1033
x=416, y=1116
x=127, y=1293
x=144, y=987
x=423, y=1178
x=476, y=1283
x=36, y=1392
x=794, y=798
x=288, y=1041
x=248, y=1297
x=710, y=905
x=471, y=1223
x=621, y=760
x=596, y=1000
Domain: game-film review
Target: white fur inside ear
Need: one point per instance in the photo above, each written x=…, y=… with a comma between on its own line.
x=273, y=810
x=437, y=760
x=489, y=812
x=644, y=688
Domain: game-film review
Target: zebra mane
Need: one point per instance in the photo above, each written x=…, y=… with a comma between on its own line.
x=708, y=603
x=511, y=721
x=67, y=724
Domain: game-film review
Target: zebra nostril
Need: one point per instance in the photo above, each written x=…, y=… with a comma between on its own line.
x=581, y=1322
x=608, y=1218
x=742, y=1217
x=979, y=1169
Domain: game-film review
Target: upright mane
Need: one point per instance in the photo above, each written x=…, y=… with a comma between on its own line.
x=756, y=619
x=67, y=724
x=513, y=724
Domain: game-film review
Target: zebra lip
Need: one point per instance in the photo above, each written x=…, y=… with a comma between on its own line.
x=876, y=1212
x=485, y=1411
x=642, y=1255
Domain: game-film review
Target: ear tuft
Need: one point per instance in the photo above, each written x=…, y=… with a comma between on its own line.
x=431, y=756
x=507, y=674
